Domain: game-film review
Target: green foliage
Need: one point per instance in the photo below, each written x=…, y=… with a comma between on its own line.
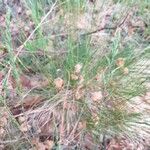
x=73, y=5
x=77, y=53
x=37, y=44
x=36, y=8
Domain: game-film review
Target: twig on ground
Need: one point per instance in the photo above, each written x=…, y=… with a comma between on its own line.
x=105, y=28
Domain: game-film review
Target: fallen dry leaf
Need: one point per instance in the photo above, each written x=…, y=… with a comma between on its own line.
x=96, y=96
x=30, y=101
x=37, y=81
x=120, y=62
x=39, y=84
x=59, y=83
x=25, y=81
x=78, y=68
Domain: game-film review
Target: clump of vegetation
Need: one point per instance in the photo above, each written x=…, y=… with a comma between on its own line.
x=74, y=75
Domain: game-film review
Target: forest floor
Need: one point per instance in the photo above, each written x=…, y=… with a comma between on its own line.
x=74, y=75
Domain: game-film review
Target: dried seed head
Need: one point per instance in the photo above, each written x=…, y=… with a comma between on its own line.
x=120, y=62
x=74, y=77
x=125, y=71
x=78, y=68
x=79, y=93
x=59, y=83
x=96, y=96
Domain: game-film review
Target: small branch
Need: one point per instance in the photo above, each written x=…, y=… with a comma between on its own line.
x=98, y=30
x=110, y=28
